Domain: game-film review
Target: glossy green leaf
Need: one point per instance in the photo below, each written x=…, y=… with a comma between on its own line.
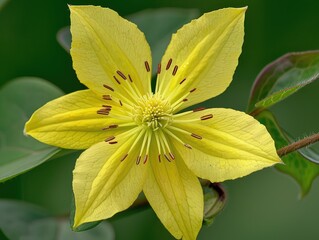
x=158, y=26
x=297, y=165
x=282, y=78
x=20, y=220
x=18, y=100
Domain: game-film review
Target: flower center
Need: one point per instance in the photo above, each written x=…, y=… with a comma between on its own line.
x=153, y=112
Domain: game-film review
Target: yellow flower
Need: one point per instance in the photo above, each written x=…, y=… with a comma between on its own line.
x=137, y=140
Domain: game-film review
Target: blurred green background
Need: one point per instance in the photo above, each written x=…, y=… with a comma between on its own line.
x=261, y=206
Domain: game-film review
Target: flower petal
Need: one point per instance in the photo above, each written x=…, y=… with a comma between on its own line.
x=202, y=55
x=176, y=196
x=104, y=183
x=229, y=145
x=109, y=50
x=71, y=121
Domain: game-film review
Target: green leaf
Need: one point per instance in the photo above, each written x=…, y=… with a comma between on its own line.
x=282, y=78
x=157, y=24
x=20, y=220
x=18, y=100
x=297, y=165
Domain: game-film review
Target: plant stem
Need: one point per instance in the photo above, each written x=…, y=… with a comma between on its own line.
x=297, y=145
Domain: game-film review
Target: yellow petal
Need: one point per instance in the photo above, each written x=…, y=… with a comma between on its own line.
x=204, y=55
x=71, y=121
x=233, y=144
x=104, y=183
x=104, y=47
x=176, y=196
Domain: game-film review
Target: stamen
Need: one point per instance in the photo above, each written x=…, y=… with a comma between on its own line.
x=172, y=155
x=116, y=80
x=112, y=142
x=110, y=127
x=199, y=109
x=121, y=74
x=175, y=70
x=147, y=66
x=109, y=139
x=159, y=68
x=167, y=157
x=185, y=100
x=183, y=81
x=107, y=106
x=120, y=102
x=169, y=64
x=124, y=157
x=188, y=146
x=193, y=90
x=138, y=160
x=107, y=97
x=129, y=77
x=108, y=87
x=103, y=111
x=159, y=157
x=205, y=117
x=196, y=136
x=145, y=159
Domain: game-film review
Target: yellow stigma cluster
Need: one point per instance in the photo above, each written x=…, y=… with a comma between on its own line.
x=153, y=112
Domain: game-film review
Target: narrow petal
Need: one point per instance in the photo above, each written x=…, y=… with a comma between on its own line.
x=226, y=144
x=106, y=180
x=202, y=57
x=72, y=121
x=176, y=196
x=109, y=50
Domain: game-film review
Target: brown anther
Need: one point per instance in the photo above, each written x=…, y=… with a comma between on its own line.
x=121, y=74
x=159, y=68
x=193, y=90
x=138, y=160
x=120, y=102
x=113, y=126
x=182, y=81
x=112, y=142
x=199, y=109
x=107, y=97
x=116, y=80
x=109, y=139
x=185, y=100
x=205, y=117
x=145, y=159
x=196, y=136
x=188, y=146
x=169, y=64
x=129, y=77
x=159, y=157
x=172, y=155
x=108, y=87
x=167, y=157
x=124, y=157
x=147, y=66
x=175, y=70
x=102, y=112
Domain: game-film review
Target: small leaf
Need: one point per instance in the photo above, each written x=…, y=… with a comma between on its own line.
x=19, y=220
x=18, y=100
x=296, y=164
x=214, y=201
x=282, y=78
